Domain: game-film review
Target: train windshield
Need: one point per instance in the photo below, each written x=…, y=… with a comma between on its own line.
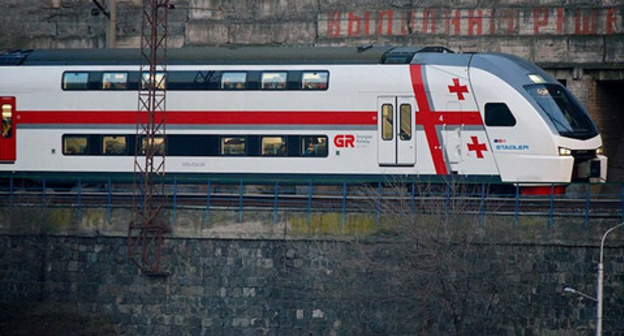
x=565, y=112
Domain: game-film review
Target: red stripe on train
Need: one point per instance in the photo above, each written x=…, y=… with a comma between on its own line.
x=204, y=117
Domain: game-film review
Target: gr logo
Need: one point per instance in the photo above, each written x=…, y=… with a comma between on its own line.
x=344, y=140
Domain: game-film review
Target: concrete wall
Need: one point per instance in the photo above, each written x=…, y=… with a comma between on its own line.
x=561, y=32
x=252, y=287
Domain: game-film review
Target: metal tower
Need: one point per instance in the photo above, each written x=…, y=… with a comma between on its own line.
x=147, y=226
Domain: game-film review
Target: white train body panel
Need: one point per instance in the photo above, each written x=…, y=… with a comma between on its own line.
x=423, y=118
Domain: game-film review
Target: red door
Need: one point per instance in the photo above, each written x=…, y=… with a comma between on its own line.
x=7, y=137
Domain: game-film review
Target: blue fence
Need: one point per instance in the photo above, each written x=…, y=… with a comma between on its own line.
x=583, y=201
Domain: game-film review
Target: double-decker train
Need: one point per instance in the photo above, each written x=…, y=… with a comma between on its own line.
x=368, y=112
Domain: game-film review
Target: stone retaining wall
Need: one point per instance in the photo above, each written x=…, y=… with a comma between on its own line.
x=262, y=287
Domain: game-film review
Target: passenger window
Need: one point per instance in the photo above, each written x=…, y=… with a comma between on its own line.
x=157, y=145
x=498, y=115
x=7, y=120
x=387, y=122
x=314, y=80
x=273, y=80
x=159, y=81
x=114, y=145
x=75, y=81
x=75, y=144
x=192, y=80
x=114, y=81
x=406, y=122
x=314, y=146
x=274, y=146
x=233, y=146
x=233, y=80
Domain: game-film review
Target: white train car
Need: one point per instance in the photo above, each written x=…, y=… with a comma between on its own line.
x=371, y=112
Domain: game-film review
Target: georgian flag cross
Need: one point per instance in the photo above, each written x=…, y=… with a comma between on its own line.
x=430, y=119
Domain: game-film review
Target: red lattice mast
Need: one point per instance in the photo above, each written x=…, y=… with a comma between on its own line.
x=147, y=226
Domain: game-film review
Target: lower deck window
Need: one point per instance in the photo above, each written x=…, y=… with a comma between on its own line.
x=197, y=145
x=157, y=145
x=314, y=146
x=114, y=145
x=75, y=145
x=274, y=146
x=233, y=146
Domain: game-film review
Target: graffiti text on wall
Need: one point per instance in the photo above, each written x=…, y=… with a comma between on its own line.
x=473, y=22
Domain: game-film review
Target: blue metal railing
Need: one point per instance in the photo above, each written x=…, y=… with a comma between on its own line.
x=317, y=196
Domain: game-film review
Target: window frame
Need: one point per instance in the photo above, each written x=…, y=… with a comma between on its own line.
x=161, y=80
x=115, y=86
x=234, y=86
x=66, y=85
x=323, y=85
x=279, y=85
x=197, y=80
x=159, y=141
x=277, y=152
x=385, y=127
x=7, y=121
x=492, y=120
x=125, y=149
x=407, y=135
x=305, y=143
x=66, y=137
x=222, y=145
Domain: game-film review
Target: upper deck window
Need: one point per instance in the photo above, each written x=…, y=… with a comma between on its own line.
x=314, y=80
x=274, y=80
x=159, y=81
x=75, y=80
x=190, y=80
x=114, y=80
x=233, y=80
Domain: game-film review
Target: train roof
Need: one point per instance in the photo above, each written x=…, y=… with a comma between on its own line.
x=221, y=56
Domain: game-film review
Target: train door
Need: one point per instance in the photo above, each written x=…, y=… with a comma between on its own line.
x=453, y=138
x=396, y=137
x=7, y=137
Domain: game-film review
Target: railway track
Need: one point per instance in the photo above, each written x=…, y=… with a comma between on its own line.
x=327, y=199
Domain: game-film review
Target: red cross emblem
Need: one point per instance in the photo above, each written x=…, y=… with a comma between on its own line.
x=431, y=120
x=459, y=89
x=479, y=148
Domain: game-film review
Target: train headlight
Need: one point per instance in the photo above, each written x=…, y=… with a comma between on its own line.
x=537, y=79
x=599, y=151
x=564, y=151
